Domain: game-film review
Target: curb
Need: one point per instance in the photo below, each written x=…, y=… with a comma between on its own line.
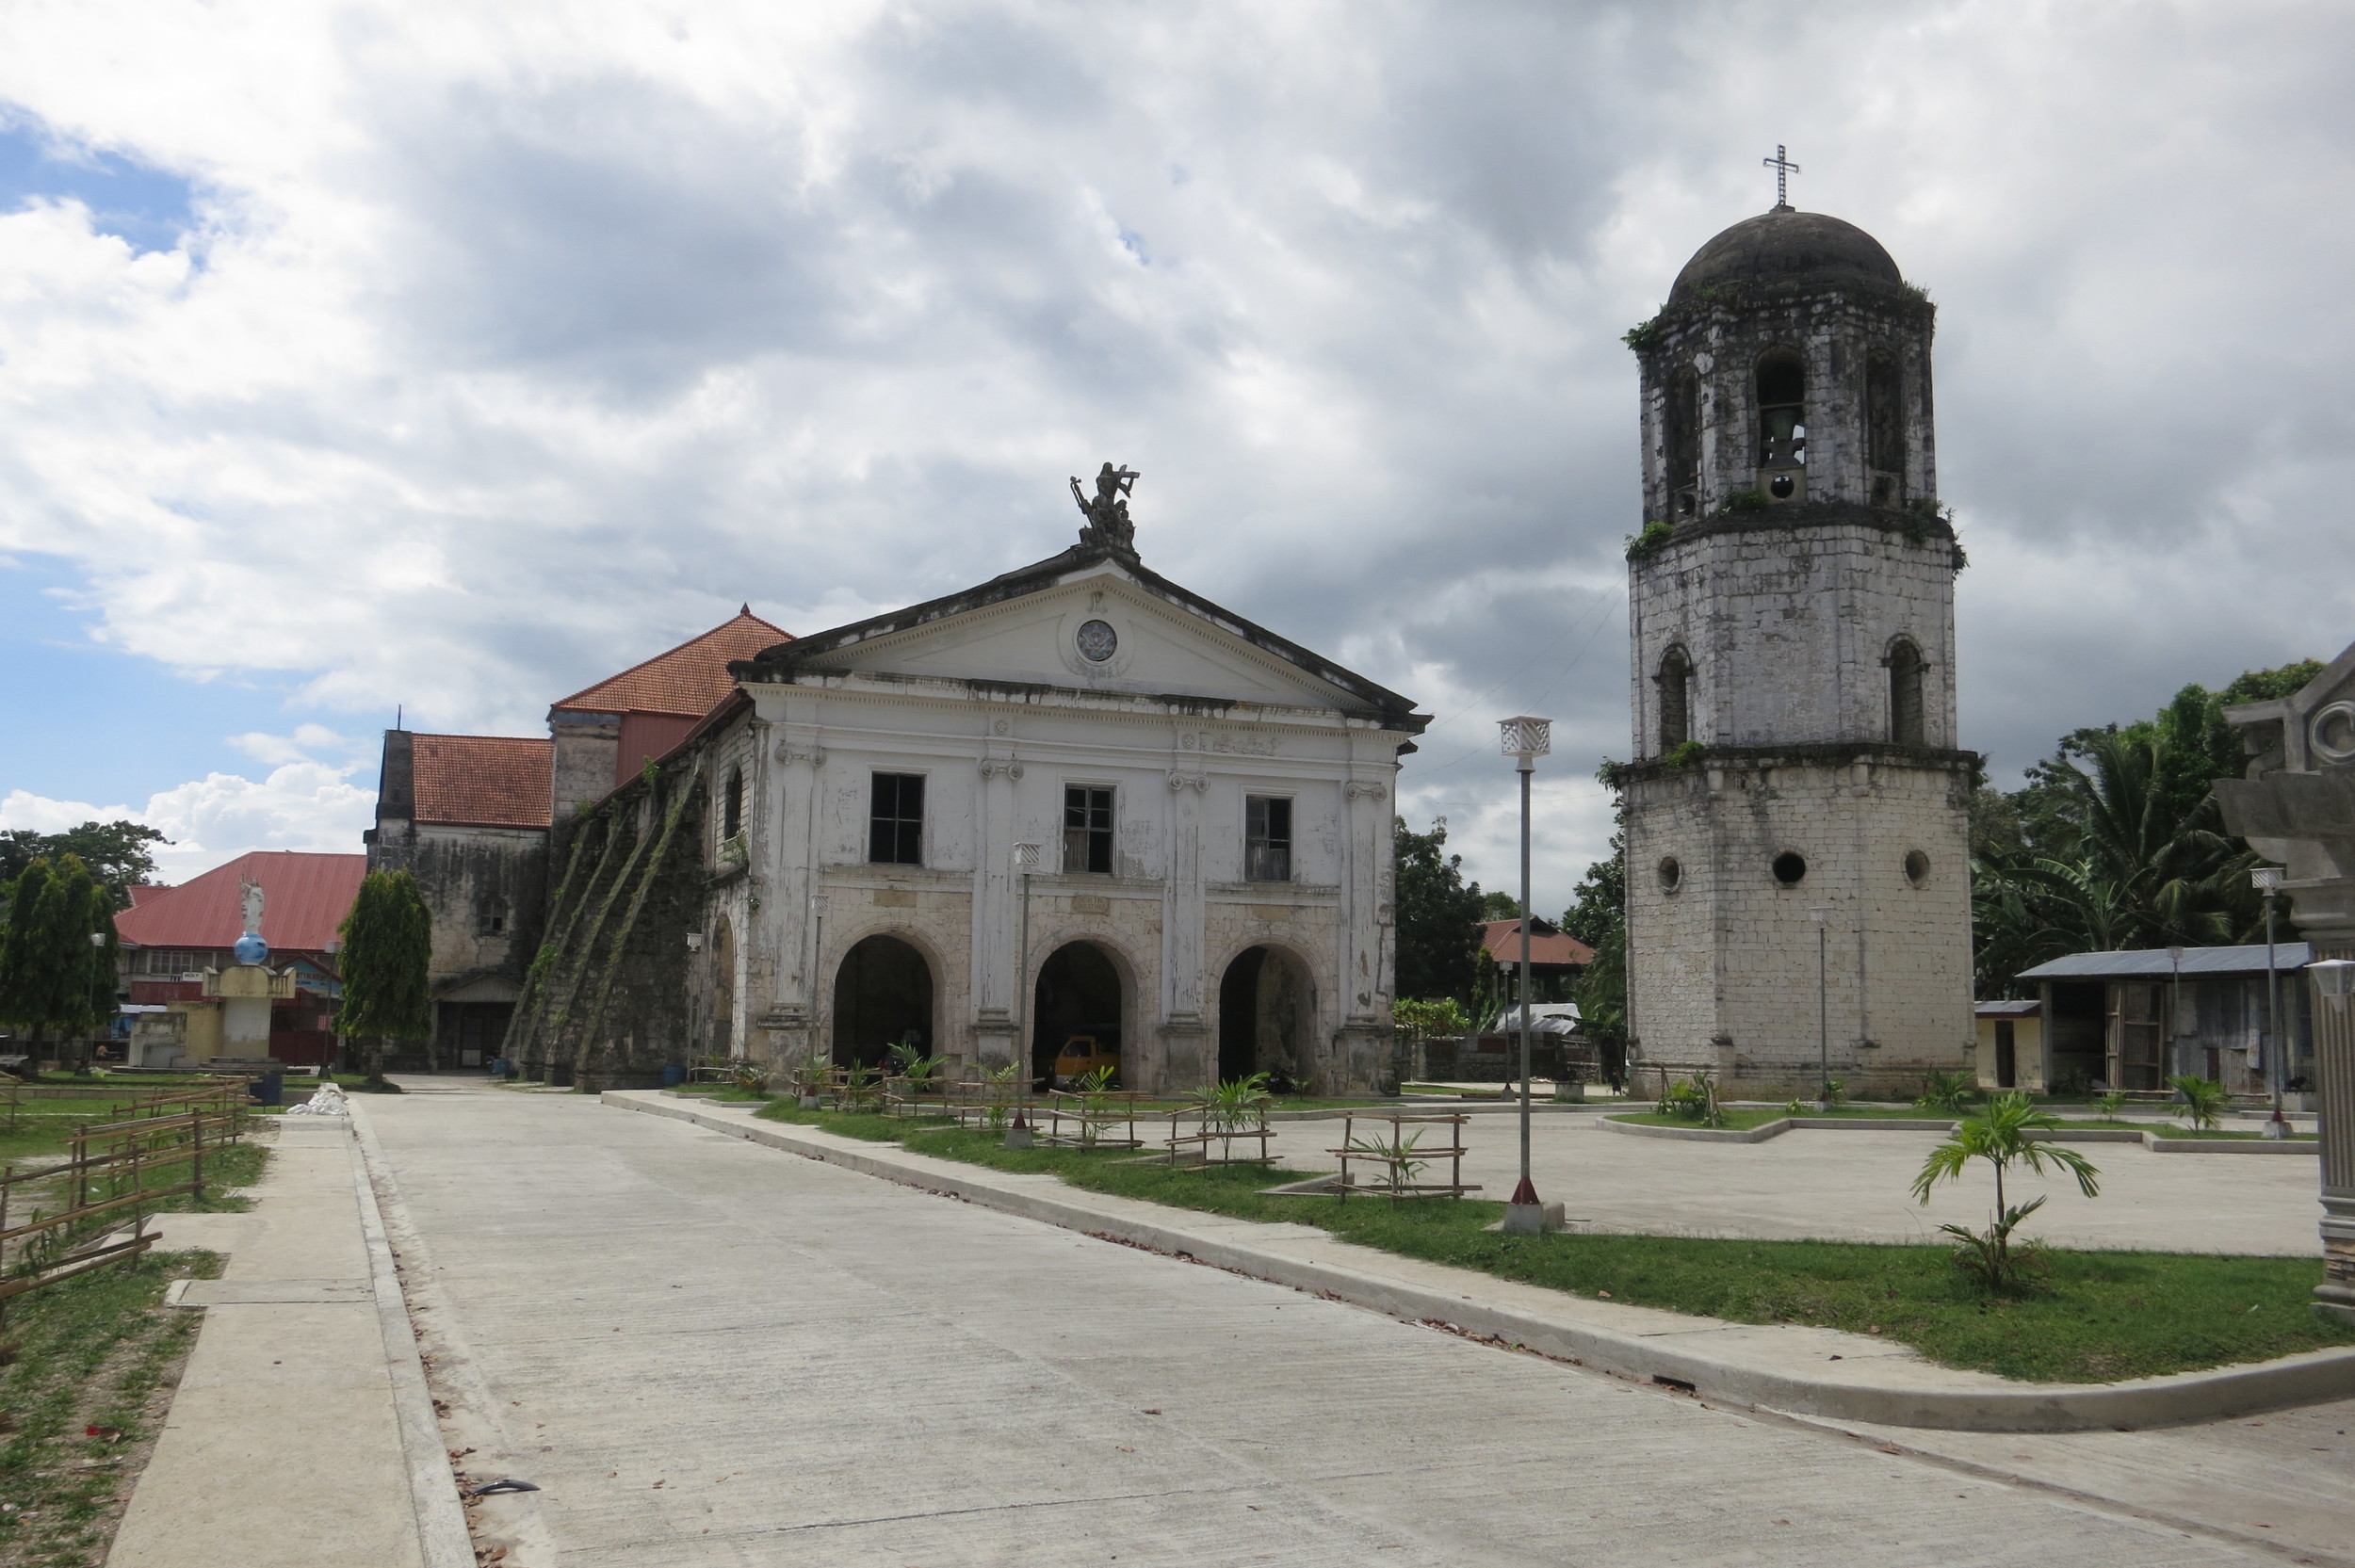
x=443, y=1539
x=1982, y=1403
x=2154, y=1141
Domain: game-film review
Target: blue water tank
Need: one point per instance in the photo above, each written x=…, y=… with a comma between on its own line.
x=252, y=949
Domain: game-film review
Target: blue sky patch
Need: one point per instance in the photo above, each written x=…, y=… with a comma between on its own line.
x=146, y=206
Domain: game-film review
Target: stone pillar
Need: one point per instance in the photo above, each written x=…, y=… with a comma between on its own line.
x=2334, y=1088
x=1183, y=1064
x=1366, y=974
x=1000, y=971
x=793, y=1020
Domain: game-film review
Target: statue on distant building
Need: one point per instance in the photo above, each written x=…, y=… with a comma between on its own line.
x=249, y=902
x=1108, y=513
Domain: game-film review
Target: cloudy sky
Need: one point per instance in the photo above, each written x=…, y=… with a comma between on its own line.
x=453, y=356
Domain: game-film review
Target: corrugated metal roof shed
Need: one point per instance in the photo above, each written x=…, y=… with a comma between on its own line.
x=304, y=898
x=2008, y=1010
x=2154, y=963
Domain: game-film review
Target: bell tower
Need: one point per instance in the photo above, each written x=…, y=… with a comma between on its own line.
x=1798, y=809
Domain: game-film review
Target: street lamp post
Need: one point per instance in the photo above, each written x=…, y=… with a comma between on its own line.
x=2267, y=880
x=1021, y=1134
x=1823, y=1007
x=1526, y=739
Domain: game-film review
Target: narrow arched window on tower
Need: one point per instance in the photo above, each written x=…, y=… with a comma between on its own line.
x=732, y=805
x=1885, y=429
x=1904, y=694
x=1675, y=699
x=1782, y=424
x=1683, y=442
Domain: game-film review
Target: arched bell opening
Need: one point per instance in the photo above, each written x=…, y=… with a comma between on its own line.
x=1076, y=1012
x=1676, y=699
x=1907, y=726
x=883, y=997
x=1266, y=1018
x=1782, y=424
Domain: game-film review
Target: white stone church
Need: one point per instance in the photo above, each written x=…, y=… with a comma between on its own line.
x=1197, y=813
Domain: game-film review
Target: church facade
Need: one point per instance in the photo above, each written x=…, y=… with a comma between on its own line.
x=1798, y=809
x=1075, y=803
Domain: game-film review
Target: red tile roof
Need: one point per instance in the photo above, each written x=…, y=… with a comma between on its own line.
x=1502, y=939
x=304, y=898
x=482, y=781
x=690, y=679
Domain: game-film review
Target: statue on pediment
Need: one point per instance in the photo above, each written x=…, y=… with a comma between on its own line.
x=1107, y=512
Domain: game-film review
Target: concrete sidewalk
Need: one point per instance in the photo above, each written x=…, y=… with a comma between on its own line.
x=301, y=1436
x=1785, y=1368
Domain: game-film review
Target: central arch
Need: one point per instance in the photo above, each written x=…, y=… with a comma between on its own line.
x=1266, y=1017
x=883, y=997
x=1078, y=993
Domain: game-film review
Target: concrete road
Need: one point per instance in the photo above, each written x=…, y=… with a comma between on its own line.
x=1852, y=1187
x=711, y=1353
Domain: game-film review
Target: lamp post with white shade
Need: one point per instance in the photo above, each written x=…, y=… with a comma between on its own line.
x=1526, y=739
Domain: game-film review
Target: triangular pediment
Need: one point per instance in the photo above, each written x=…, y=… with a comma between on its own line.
x=1090, y=620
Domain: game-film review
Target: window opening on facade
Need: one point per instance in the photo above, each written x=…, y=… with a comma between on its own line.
x=1790, y=869
x=1087, y=829
x=896, y=820
x=1782, y=424
x=1885, y=429
x=1904, y=694
x=1671, y=874
x=1267, y=830
x=1683, y=445
x=1676, y=699
x=732, y=805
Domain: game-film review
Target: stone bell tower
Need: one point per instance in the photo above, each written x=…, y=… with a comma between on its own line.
x=1797, y=807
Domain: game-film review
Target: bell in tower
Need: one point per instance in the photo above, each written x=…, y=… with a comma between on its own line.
x=1798, y=878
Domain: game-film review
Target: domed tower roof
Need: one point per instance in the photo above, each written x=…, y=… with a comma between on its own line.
x=1788, y=249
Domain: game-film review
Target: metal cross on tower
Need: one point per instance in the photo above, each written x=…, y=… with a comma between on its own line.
x=1783, y=166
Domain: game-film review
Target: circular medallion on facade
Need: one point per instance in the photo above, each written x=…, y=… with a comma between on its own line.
x=1097, y=640
x=2332, y=731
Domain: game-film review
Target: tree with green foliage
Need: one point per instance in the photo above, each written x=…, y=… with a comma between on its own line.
x=117, y=853
x=1438, y=916
x=387, y=948
x=2116, y=841
x=1598, y=917
x=46, y=958
x=106, y=955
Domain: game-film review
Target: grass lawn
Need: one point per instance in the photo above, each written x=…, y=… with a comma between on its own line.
x=2100, y=1315
x=100, y=1350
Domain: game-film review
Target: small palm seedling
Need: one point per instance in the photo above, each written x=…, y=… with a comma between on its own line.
x=2001, y=1136
x=2202, y=1101
x=1833, y=1094
x=1096, y=1111
x=1234, y=1104
x=999, y=1086
x=2110, y=1105
x=1400, y=1163
x=748, y=1077
x=1952, y=1093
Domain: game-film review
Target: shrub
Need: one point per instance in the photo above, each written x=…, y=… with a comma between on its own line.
x=1948, y=1092
x=1654, y=539
x=2000, y=1136
x=2202, y=1101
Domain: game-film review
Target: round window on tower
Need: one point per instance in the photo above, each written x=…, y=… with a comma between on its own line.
x=1097, y=640
x=1671, y=874
x=1790, y=868
x=1917, y=867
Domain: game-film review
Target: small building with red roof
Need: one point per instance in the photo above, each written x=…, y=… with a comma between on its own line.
x=1556, y=959
x=171, y=936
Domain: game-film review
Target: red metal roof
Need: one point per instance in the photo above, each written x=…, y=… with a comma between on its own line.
x=690, y=679
x=482, y=781
x=304, y=898
x=1502, y=939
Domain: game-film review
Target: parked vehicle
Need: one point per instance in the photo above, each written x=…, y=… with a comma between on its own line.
x=1082, y=1054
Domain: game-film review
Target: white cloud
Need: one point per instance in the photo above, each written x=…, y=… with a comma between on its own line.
x=515, y=342
x=302, y=804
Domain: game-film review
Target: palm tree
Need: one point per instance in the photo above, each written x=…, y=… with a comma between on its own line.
x=2000, y=1136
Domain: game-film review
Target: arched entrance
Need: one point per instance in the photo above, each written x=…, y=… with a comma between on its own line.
x=1265, y=1017
x=883, y=997
x=724, y=990
x=1077, y=997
